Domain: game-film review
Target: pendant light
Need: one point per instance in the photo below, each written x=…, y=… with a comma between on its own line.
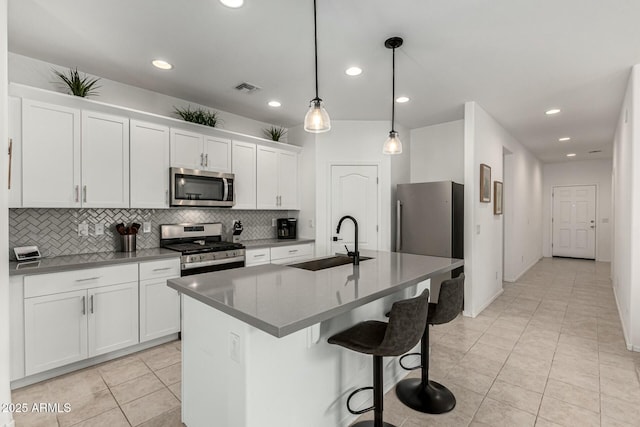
x=317, y=119
x=393, y=145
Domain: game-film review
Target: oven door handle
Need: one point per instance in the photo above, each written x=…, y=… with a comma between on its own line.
x=226, y=189
x=189, y=266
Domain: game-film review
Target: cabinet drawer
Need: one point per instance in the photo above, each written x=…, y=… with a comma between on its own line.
x=164, y=268
x=47, y=284
x=291, y=251
x=257, y=257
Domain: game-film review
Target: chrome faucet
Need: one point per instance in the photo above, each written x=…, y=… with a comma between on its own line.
x=355, y=254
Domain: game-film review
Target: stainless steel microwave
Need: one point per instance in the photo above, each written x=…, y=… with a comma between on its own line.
x=190, y=187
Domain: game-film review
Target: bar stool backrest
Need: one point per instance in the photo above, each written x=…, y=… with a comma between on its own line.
x=450, y=301
x=407, y=321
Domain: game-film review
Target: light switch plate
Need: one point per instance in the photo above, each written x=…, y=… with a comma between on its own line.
x=98, y=229
x=146, y=227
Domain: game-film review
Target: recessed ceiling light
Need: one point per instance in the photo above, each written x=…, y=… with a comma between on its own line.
x=274, y=104
x=402, y=99
x=353, y=71
x=552, y=111
x=564, y=138
x=571, y=155
x=232, y=3
x=163, y=65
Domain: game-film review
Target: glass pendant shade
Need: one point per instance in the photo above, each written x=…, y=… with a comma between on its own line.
x=392, y=145
x=317, y=119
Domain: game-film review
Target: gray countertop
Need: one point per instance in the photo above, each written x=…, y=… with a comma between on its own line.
x=281, y=300
x=81, y=261
x=270, y=243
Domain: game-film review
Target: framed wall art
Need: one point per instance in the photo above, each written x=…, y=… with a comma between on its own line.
x=485, y=183
x=497, y=198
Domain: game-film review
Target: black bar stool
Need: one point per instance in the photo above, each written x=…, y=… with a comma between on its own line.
x=422, y=394
x=407, y=321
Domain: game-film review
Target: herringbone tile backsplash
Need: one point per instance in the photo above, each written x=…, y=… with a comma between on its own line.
x=55, y=231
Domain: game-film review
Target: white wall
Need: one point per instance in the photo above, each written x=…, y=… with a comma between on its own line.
x=625, y=269
x=437, y=152
x=36, y=73
x=307, y=180
x=358, y=142
x=5, y=393
x=484, y=142
x=588, y=172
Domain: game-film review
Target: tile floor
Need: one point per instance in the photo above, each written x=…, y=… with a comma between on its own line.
x=548, y=352
x=142, y=389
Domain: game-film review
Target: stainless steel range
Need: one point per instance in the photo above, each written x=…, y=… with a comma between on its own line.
x=201, y=247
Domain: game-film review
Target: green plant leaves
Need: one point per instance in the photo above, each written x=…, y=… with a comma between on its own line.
x=198, y=115
x=82, y=86
x=275, y=133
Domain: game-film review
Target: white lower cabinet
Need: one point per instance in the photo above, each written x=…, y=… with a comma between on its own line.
x=279, y=254
x=73, y=315
x=113, y=318
x=257, y=257
x=159, y=304
x=55, y=328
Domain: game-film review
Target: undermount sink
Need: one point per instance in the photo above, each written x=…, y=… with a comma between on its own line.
x=321, y=264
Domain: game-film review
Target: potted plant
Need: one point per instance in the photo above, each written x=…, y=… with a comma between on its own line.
x=198, y=115
x=78, y=85
x=274, y=133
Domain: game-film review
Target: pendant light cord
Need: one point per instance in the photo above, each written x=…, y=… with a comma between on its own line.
x=393, y=89
x=315, y=39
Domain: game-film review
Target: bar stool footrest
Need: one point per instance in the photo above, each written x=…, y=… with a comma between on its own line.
x=411, y=368
x=434, y=398
x=362, y=411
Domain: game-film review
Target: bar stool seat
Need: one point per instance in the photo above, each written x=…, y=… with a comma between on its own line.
x=422, y=394
x=407, y=321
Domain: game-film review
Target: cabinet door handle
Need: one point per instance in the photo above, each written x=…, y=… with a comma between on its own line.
x=258, y=255
x=91, y=300
x=166, y=196
x=84, y=194
x=87, y=279
x=77, y=193
x=162, y=269
x=201, y=159
x=293, y=251
x=206, y=160
x=84, y=306
x=10, y=157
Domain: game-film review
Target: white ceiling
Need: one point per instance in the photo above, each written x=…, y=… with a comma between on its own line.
x=516, y=58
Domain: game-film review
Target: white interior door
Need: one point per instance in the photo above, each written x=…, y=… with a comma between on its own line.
x=354, y=191
x=574, y=221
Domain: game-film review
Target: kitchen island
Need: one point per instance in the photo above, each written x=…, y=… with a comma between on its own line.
x=254, y=350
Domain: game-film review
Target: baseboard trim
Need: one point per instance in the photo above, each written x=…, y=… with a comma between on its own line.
x=486, y=304
x=627, y=341
x=516, y=278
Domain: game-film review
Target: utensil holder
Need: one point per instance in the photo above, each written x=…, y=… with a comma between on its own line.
x=128, y=243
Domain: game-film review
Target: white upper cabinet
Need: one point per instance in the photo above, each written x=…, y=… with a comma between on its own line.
x=288, y=179
x=217, y=154
x=50, y=155
x=149, y=147
x=277, y=179
x=15, y=165
x=186, y=149
x=244, y=170
x=192, y=150
x=105, y=160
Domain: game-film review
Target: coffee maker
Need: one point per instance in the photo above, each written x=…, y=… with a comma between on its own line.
x=287, y=228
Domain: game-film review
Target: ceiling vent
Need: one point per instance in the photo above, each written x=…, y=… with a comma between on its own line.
x=246, y=87
x=595, y=151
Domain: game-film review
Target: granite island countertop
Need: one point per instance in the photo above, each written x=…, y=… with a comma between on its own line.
x=280, y=299
x=81, y=261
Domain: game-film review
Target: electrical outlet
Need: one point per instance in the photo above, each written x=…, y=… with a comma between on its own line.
x=477, y=228
x=310, y=223
x=83, y=229
x=146, y=227
x=273, y=222
x=98, y=229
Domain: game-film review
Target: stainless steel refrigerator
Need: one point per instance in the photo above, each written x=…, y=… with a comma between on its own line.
x=430, y=220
